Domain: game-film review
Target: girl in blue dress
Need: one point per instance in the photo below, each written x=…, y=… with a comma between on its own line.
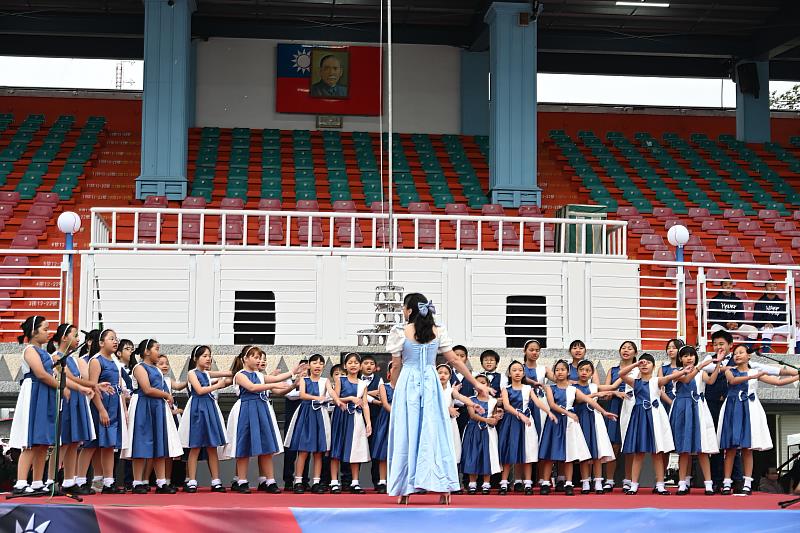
x=76, y=419
x=252, y=429
x=420, y=439
x=621, y=406
x=151, y=433
x=108, y=415
x=535, y=376
x=34, y=417
x=692, y=426
x=380, y=430
x=351, y=425
x=562, y=438
x=577, y=350
x=671, y=349
x=518, y=439
x=648, y=429
x=594, y=428
x=479, y=449
x=202, y=426
x=309, y=431
x=742, y=420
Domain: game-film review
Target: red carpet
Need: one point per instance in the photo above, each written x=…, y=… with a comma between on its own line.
x=206, y=499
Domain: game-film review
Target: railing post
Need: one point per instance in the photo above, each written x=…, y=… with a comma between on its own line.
x=702, y=341
x=791, y=318
x=680, y=283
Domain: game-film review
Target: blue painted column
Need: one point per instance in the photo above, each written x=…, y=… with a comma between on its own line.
x=512, y=114
x=165, y=106
x=474, y=93
x=752, y=114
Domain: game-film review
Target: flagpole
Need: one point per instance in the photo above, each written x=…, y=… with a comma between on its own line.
x=391, y=141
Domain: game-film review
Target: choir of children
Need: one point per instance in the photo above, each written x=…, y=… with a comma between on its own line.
x=535, y=417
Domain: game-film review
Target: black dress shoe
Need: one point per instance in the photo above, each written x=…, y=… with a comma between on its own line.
x=529, y=490
x=519, y=487
x=380, y=488
x=298, y=488
x=586, y=491
x=503, y=490
x=218, y=488
x=166, y=489
x=191, y=489
x=682, y=492
x=139, y=489
x=630, y=492
x=544, y=490
x=709, y=492
x=356, y=489
x=486, y=490
x=113, y=489
x=599, y=491
x=272, y=488
x=316, y=488
x=242, y=488
x=86, y=489
x=472, y=491
x=24, y=490
x=569, y=490
x=661, y=492
x=336, y=489
x=560, y=485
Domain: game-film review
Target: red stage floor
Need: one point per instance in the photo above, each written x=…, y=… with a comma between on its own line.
x=207, y=499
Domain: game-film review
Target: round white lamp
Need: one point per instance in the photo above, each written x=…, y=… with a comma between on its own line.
x=678, y=236
x=69, y=222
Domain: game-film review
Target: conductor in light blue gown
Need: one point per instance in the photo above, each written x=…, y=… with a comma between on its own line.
x=421, y=452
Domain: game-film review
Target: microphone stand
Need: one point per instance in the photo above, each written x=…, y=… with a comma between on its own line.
x=62, y=384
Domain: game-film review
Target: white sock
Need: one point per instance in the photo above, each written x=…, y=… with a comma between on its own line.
x=215, y=482
x=334, y=483
x=97, y=479
x=544, y=482
x=261, y=479
x=486, y=485
x=660, y=486
x=270, y=481
x=688, y=481
x=137, y=482
x=681, y=485
x=37, y=484
x=108, y=481
x=473, y=484
x=568, y=483
x=380, y=482
x=48, y=482
x=161, y=482
x=727, y=482
x=21, y=483
x=598, y=483
x=241, y=481
x=316, y=481
x=634, y=486
x=504, y=483
x=517, y=481
x=709, y=485
x=354, y=483
x=609, y=482
x=68, y=483
x=528, y=483
x=298, y=479
x=80, y=481
x=585, y=485
x=626, y=482
x=191, y=483
x=235, y=479
x=748, y=481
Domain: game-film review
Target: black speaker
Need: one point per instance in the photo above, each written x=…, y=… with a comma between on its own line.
x=254, y=317
x=747, y=79
x=525, y=319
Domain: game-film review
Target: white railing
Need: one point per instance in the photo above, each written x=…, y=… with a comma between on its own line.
x=31, y=283
x=128, y=228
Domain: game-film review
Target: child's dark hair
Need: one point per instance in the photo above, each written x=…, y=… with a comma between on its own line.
x=349, y=356
x=529, y=342
x=722, y=334
x=561, y=362
x=423, y=320
x=61, y=332
x=317, y=357
x=91, y=339
x=512, y=363
x=29, y=327
x=101, y=336
x=197, y=351
x=482, y=376
x=490, y=353
x=633, y=345
x=124, y=343
x=337, y=368
x=585, y=362
x=577, y=343
x=444, y=365
x=238, y=361
x=144, y=346
x=687, y=350
x=460, y=347
x=647, y=357
x=748, y=349
x=677, y=342
x=368, y=357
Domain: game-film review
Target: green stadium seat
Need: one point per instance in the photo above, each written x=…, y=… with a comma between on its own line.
x=370, y=176
x=237, y=183
x=271, y=143
x=275, y=194
x=204, y=183
x=337, y=196
x=304, y=174
x=440, y=189
x=302, y=144
x=406, y=188
x=240, y=133
x=303, y=163
x=271, y=134
x=63, y=191
x=372, y=197
x=236, y=193
x=271, y=161
x=305, y=186
x=371, y=187
x=26, y=191
x=441, y=200
x=477, y=202
x=338, y=186
x=240, y=143
x=237, y=173
x=408, y=197
x=306, y=195
x=31, y=179
x=239, y=162
x=337, y=176
x=643, y=205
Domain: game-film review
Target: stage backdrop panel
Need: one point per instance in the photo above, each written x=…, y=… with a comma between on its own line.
x=356, y=93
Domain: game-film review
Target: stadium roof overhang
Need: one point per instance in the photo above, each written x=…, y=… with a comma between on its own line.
x=689, y=38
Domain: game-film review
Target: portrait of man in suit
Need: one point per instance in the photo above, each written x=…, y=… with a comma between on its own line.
x=329, y=73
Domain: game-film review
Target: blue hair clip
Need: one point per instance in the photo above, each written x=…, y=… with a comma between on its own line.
x=426, y=307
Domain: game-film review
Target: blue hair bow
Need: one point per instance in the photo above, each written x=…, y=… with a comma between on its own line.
x=426, y=307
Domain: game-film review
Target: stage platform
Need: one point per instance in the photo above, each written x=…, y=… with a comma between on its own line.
x=373, y=513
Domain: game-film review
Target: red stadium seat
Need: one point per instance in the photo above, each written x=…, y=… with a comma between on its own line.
x=694, y=244
x=530, y=211
x=348, y=233
x=379, y=207
x=787, y=228
x=796, y=215
x=734, y=215
x=663, y=213
x=713, y=227
x=653, y=242
x=729, y=243
x=148, y=230
x=664, y=255
x=46, y=198
x=700, y=214
x=691, y=295
x=42, y=211
x=6, y=211
x=742, y=258
x=269, y=204
x=155, y=201
x=781, y=258
x=14, y=264
x=549, y=238
x=769, y=215
x=307, y=205
x=716, y=275
x=10, y=198
x=233, y=232
x=758, y=276
x=344, y=206
x=767, y=244
x=25, y=242
x=796, y=243
x=703, y=257
x=750, y=227
x=456, y=209
x=468, y=236
x=639, y=226
x=510, y=236
x=9, y=285
x=672, y=222
x=193, y=202
x=493, y=210
x=33, y=226
x=627, y=212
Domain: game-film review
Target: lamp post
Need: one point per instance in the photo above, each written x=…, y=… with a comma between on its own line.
x=69, y=223
x=678, y=236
